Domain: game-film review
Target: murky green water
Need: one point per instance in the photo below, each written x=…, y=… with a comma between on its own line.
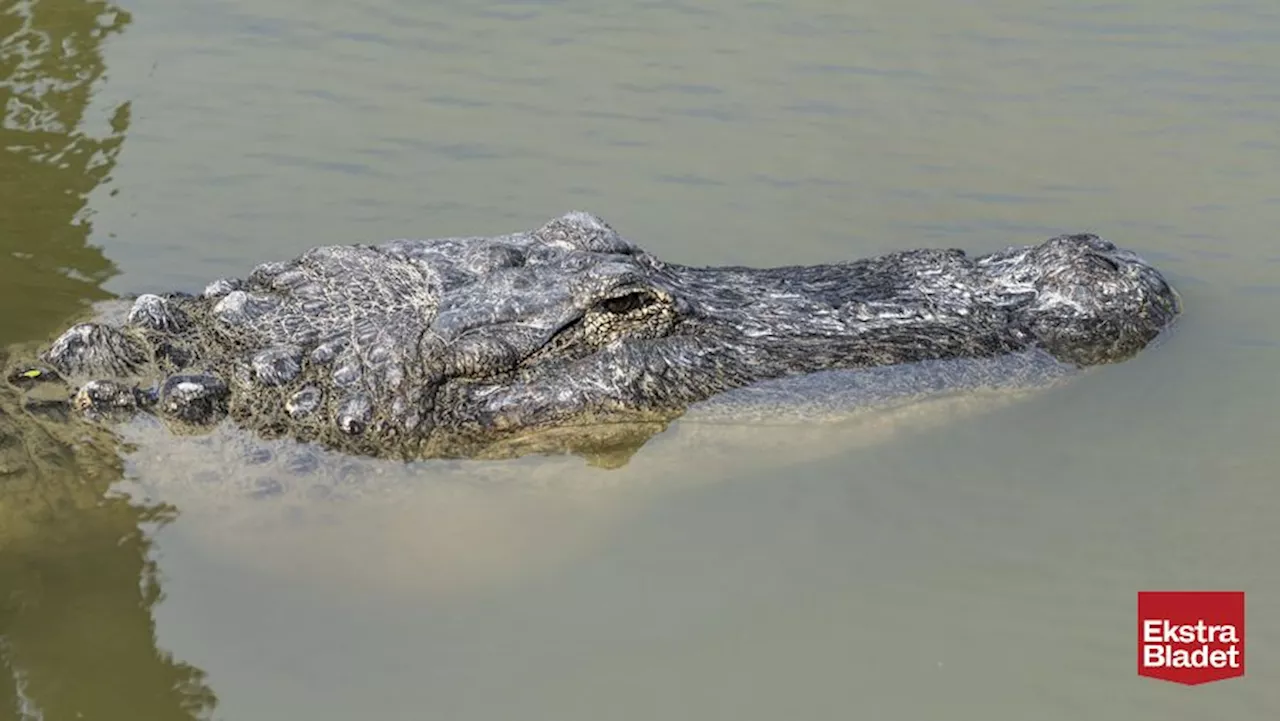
x=982, y=568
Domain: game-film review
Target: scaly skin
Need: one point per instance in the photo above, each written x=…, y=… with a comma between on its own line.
x=443, y=347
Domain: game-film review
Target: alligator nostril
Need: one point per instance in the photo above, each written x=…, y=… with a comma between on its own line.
x=1106, y=261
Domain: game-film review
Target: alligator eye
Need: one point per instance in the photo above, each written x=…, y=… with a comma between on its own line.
x=627, y=303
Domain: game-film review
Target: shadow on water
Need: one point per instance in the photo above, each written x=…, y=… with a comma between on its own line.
x=77, y=584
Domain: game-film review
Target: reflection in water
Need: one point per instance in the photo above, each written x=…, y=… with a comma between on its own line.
x=77, y=638
x=50, y=58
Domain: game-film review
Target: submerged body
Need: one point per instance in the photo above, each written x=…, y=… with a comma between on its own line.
x=453, y=347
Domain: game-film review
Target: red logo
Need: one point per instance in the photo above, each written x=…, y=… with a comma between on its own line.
x=1191, y=637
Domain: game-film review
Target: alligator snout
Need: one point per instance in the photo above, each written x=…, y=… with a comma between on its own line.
x=1095, y=303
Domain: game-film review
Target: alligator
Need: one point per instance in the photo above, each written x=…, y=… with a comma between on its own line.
x=446, y=347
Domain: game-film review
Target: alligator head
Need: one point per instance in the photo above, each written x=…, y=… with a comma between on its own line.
x=438, y=347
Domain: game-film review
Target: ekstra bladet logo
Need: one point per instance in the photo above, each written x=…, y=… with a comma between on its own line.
x=1191, y=637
